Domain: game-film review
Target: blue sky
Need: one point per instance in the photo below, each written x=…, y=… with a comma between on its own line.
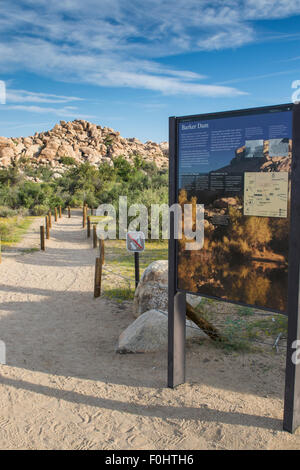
x=132, y=64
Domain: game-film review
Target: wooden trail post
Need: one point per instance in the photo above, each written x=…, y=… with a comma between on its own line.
x=92, y=211
x=89, y=226
x=69, y=212
x=50, y=219
x=55, y=214
x=98, y=269
x=59, y=212
x=101, y=250
x=84, y=217
x=98, y=275
x=47, y=227
x=94, y=237
x=42, y=233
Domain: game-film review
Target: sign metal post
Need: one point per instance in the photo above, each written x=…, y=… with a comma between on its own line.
x=135, y=243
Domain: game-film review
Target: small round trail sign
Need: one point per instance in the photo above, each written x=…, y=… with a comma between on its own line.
x=135, y=242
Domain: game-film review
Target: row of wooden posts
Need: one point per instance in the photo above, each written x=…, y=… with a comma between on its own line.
x=87, y=222
x=45, y=229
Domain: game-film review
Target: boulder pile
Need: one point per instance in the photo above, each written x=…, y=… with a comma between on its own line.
x=81, y=141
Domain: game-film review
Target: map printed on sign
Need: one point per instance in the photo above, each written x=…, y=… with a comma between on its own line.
x=266, y=194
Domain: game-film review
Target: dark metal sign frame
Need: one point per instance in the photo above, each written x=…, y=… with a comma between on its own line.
x=177, y=298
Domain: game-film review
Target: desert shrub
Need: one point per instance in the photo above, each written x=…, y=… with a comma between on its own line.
x=7, y=211
x=91, y=200
x=4, y=231
x=30, y=194
x=55, y=200
x=123, y=168
x=106, y=172
x=39, y=209
x=108, y=141
x=22, y=211
x=45, y=173
x=74, y=201
x=67, y=161
x=10, y=176
x=138, y=161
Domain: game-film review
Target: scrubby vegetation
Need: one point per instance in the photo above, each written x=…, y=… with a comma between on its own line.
x=35, y=190
x=141, y=182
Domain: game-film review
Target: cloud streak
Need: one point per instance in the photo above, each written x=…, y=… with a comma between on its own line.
x=121, y=44
x=67, y=111
x=24, y=96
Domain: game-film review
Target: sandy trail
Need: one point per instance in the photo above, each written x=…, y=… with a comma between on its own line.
x=64, y=387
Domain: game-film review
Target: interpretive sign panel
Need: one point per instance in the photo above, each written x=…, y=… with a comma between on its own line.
x=244, y=168
x=238, y=165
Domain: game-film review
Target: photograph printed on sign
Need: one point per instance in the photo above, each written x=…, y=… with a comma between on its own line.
x=239, y=168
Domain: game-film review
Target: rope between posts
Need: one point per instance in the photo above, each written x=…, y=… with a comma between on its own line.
x=120, y=275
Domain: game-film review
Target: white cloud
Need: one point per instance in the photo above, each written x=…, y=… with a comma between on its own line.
x=118, y=43
x=67, y=111
x=234, y=39
x=24, y=96
x=113, y=71
x=268, y=9
x=166, y=85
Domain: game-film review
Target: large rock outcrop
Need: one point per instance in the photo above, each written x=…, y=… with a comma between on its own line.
x=82, y=141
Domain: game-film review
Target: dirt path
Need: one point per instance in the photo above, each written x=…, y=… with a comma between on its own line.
x=64, y=387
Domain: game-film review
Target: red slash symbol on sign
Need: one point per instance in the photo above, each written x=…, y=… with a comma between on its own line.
x=134, y=241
